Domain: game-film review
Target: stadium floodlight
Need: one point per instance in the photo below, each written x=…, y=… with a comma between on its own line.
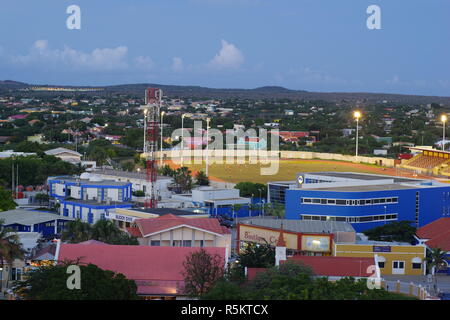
x=182, y=137
x=161, y=148
x=444, y=120
x=207, y=144
x=357, y=115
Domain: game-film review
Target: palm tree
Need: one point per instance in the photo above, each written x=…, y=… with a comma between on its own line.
x=277, y=209
x=105, y=231
x=436, y=261
x=10, y=249
x=76, y=231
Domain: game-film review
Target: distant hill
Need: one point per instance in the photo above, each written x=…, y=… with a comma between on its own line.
x=267, y=92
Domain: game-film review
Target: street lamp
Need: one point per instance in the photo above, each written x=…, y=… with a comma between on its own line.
x=145, y=131
x=444, y=120
x=161, y=147
x=207, y=143
x=182, y=138
x=357, y=115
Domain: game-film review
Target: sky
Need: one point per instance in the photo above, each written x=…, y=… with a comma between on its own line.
x=314, y=45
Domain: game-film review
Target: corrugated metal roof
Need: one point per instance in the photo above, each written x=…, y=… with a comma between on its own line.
x=303, y=226
x=28, y=218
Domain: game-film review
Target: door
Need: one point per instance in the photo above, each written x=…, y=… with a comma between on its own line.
x=398, y=267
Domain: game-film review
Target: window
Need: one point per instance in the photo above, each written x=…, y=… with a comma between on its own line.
x=202, y=243
x=340, y=202
x=315, y=200
x=187, y=243
x=306, y=200
x=331, y=201
x=417, y=266
x=381, y=264
x=155, y=243
x=399, y=265
x=16, y=274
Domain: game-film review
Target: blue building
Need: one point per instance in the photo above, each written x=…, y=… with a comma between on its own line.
x=21, y=220
x=364, y=200
x=89, y=197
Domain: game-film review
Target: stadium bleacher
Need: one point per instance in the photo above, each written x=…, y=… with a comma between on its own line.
x=425, y=162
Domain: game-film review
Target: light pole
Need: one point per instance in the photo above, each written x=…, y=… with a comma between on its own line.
x=207, y=144
x=357, y=115
x=145, y=132
x=182, y=138
x=161, y=148
x=444, y=120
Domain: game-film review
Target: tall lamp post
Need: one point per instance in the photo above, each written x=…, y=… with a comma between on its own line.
x=182, y=138
x=444, y=120
x=161, y=148
x=207, y=144
x=145, y=132
x=357, y=115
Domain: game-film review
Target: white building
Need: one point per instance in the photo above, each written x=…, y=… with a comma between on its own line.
x=65, y=155
x=138, y=181
x=214, y=198
x=89, y=197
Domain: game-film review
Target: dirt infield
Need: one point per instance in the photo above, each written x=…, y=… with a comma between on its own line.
x=287, y=170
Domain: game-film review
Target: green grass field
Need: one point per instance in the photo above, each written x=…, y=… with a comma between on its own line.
x=288, y=169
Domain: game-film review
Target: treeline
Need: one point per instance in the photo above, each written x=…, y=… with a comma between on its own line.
x=34, y=170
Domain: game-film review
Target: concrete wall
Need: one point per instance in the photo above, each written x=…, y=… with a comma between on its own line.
x=197, y=155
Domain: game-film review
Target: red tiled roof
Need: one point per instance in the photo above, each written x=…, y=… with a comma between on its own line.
x=156, y=270
x=293, y=134
x=336, y=266
x=434, y=228
x=438, y=232
x=90, y=242
x=152, y=225
x=135, y=232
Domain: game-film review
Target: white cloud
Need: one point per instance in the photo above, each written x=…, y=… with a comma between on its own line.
x=98, y=59
x=229, y=57
x=145, y=63
x=177, y=64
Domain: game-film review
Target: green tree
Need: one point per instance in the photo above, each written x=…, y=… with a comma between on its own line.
x=201, y=271
x=99, y=155
x=106, y=231
x=436, y=260
x=402, y=231
x=250, y=189
x=128, y=166
x=201, y=179
x=167, y=171
x=103, y=230
x=76, y=231
x=256, y=255
x=41, y=198
x=50, y=283
x=183, y=179
x=6, y=200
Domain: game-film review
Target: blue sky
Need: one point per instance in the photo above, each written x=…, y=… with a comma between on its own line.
x=315, y=45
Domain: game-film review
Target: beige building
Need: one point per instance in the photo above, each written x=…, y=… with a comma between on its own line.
x=174, y=231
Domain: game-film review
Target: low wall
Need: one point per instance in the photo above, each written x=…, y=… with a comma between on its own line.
x=262, y=155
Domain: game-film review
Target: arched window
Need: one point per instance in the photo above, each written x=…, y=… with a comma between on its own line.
x=416, y=263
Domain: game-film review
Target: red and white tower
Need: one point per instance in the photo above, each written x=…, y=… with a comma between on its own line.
x=151, y=109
